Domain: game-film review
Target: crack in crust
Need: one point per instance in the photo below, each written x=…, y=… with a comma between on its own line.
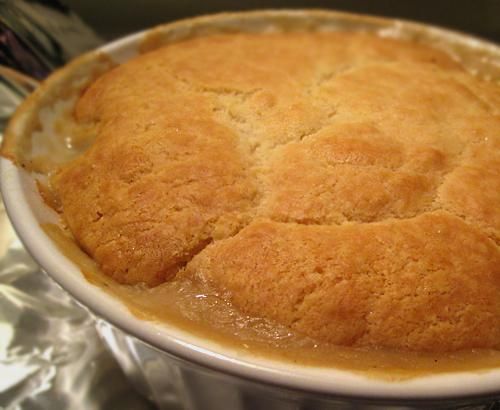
x=394, y=284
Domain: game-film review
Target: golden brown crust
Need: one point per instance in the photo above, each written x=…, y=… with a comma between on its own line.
x=154, y=197
x=398, y=284
x=368, y=166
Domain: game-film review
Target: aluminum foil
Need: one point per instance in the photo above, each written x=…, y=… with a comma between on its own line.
x=37, y=36
x=51, y=356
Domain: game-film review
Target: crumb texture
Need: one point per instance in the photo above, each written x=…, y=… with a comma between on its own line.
x=344, y=185
x=387, y=284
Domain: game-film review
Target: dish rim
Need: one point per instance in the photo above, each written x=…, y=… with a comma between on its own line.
x=24, y=207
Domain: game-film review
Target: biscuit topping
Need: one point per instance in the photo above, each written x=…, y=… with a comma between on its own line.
x=344, y=185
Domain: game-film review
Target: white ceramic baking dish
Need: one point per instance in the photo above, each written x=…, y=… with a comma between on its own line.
x=177, y=369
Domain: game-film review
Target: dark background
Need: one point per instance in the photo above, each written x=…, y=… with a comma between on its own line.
x=112, y=18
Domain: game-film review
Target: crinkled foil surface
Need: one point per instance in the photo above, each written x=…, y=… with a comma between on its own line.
x=51, y=356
